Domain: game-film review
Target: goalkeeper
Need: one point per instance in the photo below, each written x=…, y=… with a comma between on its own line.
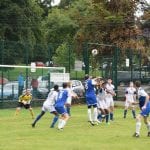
x=24, y=101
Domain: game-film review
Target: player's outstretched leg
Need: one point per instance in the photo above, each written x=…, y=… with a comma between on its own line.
x=90, y=116
x=148, y=125
x=55, y=119
x=107, y=118
x=31, y=112
x=111, y=116
x=37, y=118
x=99, y=117
x=68, y=108
x=133, y=113
x=95, y=114
x=17, y=111
x=125, y=113
x=62, y=121
x=138, y=126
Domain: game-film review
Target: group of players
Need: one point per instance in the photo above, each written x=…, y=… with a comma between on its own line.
x=103, y=101
x=58, y=102
x=99, y=96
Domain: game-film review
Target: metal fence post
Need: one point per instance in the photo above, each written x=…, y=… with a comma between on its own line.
x=140, y=57
x=86, y=57
x=115, y=74
x=2, y=61
x=26, y=60
x=69, y=60
x=131, y=63
x=49, y=81
x=49, y=54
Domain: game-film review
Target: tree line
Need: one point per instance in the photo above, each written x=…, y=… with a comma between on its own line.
x=46, y=32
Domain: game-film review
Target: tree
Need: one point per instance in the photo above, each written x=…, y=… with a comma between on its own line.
x=60, y=27
x=64, y=56
x=20, y=22
x=45, y=5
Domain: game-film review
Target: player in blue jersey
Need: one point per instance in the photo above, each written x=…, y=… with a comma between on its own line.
x=60, y=106
x=48, y=105
x=91, y=99
x=144, y=104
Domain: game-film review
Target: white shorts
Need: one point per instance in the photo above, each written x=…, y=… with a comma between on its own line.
x=129, y=100
x=69, y=100
x=49, y=108
x=128, y=103
x=109, y=102
x=101, y=104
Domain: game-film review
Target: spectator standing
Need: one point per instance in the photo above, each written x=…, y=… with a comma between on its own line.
x=34, y=84
x=20, y=83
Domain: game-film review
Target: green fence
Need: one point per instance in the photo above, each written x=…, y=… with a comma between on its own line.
x=119, y=64
x=122, y=65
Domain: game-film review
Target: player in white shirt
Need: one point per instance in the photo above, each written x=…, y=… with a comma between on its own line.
x=48, y=105
x=144, y=104
x=130, y=99
x=109, y=97
x=101, y=103
x=71, y=95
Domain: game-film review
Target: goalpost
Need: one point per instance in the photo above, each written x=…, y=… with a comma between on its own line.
x=46, y=76
x=40, y=67
x=34, y=71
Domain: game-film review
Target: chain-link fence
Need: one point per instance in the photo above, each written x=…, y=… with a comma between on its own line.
x=119, y=64
x=122, y=65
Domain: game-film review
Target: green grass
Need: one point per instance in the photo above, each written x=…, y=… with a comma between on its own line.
x=17, y=134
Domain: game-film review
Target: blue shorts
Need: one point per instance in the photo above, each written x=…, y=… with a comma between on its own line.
x=61, y=110
x=145, y=112
x=91, y=100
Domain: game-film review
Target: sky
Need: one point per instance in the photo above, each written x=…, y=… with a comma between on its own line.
x=138, y=13
x=56, y=2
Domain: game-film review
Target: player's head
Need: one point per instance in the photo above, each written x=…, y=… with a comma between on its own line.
x=69, y=84
x=101, y=81
x=56, y=87
x=131, y=84
x=109, y=80
x=26, y=92
x=104, y=84
x=86, y=77
x=64, y=85
x=137, y=84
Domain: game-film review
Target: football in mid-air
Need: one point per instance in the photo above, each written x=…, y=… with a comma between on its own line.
x=94, y=52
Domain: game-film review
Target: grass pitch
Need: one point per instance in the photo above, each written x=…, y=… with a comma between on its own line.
x=17, y=133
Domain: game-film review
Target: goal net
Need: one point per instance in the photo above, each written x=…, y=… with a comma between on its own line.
x=39, y=79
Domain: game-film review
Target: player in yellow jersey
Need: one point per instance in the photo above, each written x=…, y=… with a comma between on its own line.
x=24, y=101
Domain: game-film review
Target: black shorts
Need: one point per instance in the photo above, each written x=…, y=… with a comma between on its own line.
x=26, y=106
x=94, y=106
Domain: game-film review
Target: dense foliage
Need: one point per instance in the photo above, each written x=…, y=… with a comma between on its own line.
x=33, y=25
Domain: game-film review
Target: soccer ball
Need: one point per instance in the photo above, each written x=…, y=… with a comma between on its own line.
x=94, y=52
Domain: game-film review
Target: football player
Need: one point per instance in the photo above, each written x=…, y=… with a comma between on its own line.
x=144, y=104
x=25, y=101
x=48, y=105
x=130, y=99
